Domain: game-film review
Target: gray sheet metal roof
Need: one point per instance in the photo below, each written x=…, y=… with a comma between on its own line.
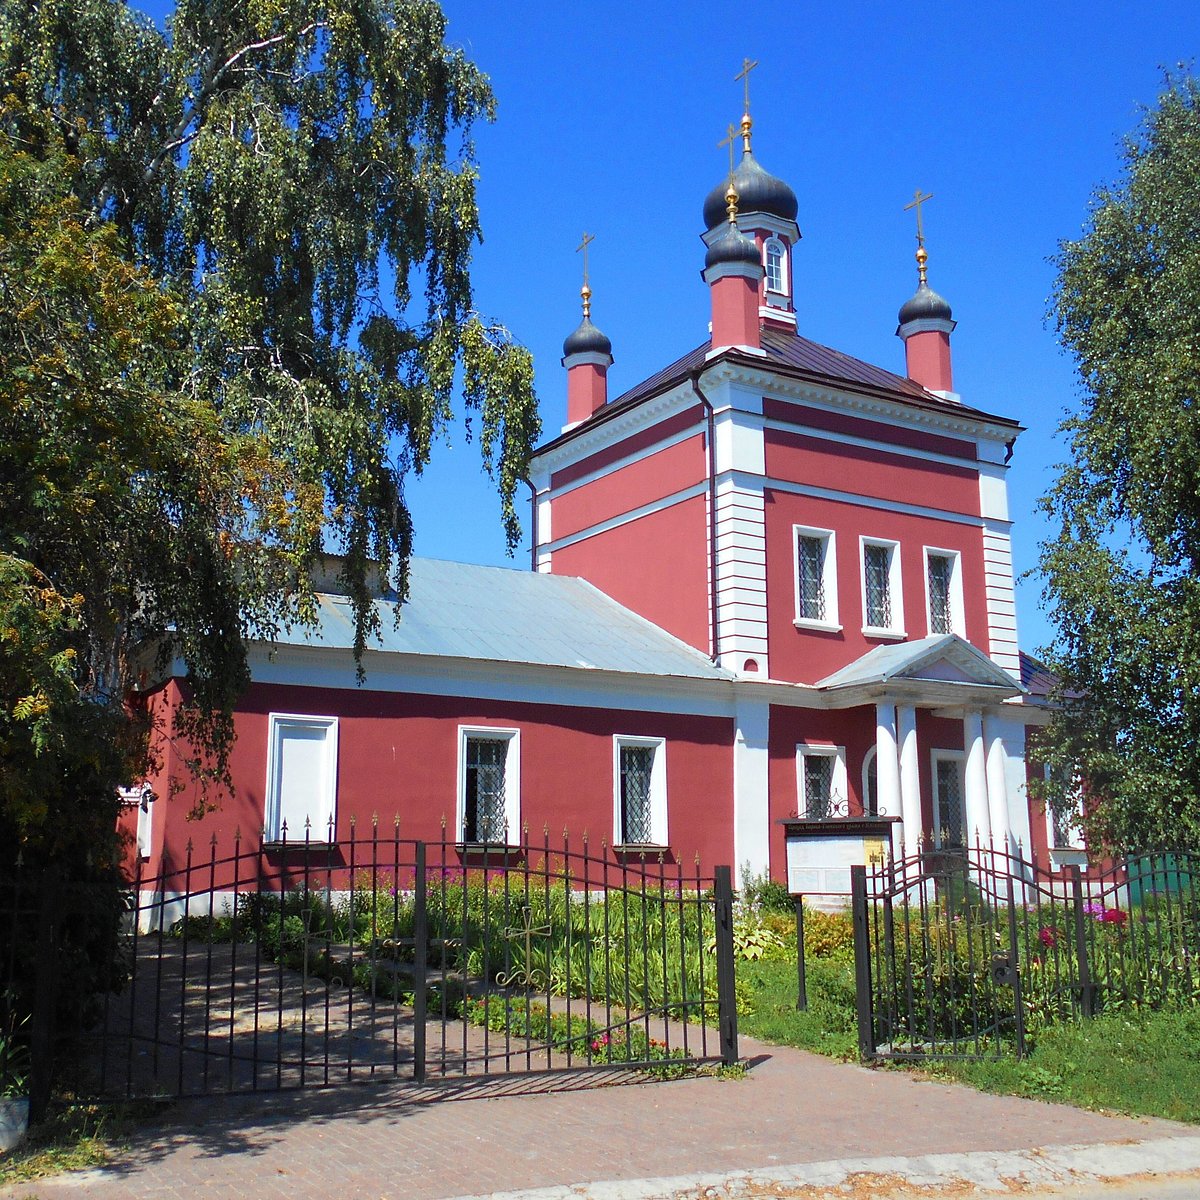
x=496, y=614
x=897, y=660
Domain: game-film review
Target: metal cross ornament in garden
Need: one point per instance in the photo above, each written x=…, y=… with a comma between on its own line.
x=526, y=977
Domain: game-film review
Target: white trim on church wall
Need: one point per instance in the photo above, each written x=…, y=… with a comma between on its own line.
x=751, y=785
x=1000, y=597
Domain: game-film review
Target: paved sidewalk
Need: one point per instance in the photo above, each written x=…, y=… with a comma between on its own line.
x=495, y=1136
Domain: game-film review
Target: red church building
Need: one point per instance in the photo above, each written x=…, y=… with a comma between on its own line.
x=773, y=587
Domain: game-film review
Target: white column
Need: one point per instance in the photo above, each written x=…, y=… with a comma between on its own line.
x=978, y=818
x=751, y=813
x=997, y=785
x=887, y=770
x=910, y=776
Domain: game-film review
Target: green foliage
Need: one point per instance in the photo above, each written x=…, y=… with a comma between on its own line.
x=517, y=1017
x=764, y=893
x=1123, y=568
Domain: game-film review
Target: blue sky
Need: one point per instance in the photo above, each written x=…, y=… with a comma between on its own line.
x=609, y=118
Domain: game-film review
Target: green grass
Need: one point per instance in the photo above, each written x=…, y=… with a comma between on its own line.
x=1143, y=1063
x=73, y=1139
x=1146, y=1064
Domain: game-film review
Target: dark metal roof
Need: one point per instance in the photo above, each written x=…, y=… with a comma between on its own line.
x=924, y=304
x=586, y=339
x=733, y=247
x=1036, y=678
x=790, y=350
x=758, y=192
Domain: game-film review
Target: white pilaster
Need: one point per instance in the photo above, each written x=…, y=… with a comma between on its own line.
x=979, y=824
x=751, y=810
x=910, y=776
x=887, y=771
x=741, y=577
x=997, y=785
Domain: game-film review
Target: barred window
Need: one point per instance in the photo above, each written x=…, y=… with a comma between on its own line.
x=640, y=791
x=822, y=780
x=941, y=574
x=877, y=570
x=950, y=818
x=810, y=554
x=484, y=798
x=637, y=763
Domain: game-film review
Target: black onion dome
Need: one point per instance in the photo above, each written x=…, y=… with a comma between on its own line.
x=925, y=305
x=758, y=192
x=587, y=339
x=732, y=246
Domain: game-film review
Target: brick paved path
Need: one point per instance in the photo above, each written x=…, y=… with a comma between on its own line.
x=490, y=1135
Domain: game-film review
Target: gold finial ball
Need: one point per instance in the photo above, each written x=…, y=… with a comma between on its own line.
x=922, y=255
x=731, y=202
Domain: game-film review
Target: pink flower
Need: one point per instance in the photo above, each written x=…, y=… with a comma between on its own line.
x=1047, y=936
x=1114, y=916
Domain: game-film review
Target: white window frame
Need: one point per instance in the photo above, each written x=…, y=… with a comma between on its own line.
x=957, y=756
x=512, y=779
x=774, y=243
x=895, y=588
x=958, y=622
x=831, y=623
x=658, y=789
x=838, y=780
x=319, y=825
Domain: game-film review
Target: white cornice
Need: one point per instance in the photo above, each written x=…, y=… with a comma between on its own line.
x=604, y=433
x=898, y=412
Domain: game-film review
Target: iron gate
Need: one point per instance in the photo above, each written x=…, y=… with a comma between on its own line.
x=312, y=963
x=966, y=953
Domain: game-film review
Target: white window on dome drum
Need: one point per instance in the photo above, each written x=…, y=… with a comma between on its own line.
x=489, y=785
x=639, y=791
x=821, y=780
x=816, y=578
x=944, y=591
x=301, y=777
x=775, y=265
x=949, y=826
x=883, y=603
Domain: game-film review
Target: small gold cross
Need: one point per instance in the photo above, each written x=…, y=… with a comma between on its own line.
x=918, y=199
x=588, y=238
x=728, y=141
x=748, y=65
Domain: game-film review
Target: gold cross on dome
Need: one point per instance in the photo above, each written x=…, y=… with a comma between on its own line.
x=748, y=65
x=588, y=239
x=728, y=140
x=918, y=199
x=586, y=290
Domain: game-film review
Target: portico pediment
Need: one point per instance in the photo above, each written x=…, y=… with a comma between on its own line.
x=935, y=670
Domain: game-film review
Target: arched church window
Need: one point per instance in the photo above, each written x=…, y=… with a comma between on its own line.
x=870, y=791
x=775, y=264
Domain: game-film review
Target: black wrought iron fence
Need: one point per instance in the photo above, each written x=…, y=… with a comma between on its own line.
x=969, y=953
x=306, y=963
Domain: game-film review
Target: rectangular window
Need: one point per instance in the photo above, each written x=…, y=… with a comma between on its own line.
x=950, y=825
x=822, y=781
x=301, y=777
x=883, y=608
x=640, y=792
x=489, y=786
x=816, y=578
x=943, y=591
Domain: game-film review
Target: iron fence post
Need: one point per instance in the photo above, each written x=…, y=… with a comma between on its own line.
x=726, y=990
x=420, y=963
x=1087, y=990
x=801, y=978
x=862, y=962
